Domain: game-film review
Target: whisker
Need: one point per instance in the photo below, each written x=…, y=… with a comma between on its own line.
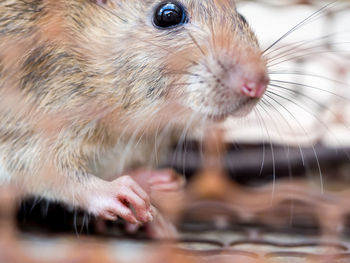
x=300, y=51
x=310, y=54
x=292, y=46
x=307, y=135
x=311, y=87
x=260, y=121
x=186, y=73
x=182, y=139
x=192, y=62
x=196, y=43
x=307, y=111
x=272, y=155
x=288, y=124
x=308, y=74
x=108, y=11
x=323, y=106
x=188, y=84
x=156, y=144
x=300, y=24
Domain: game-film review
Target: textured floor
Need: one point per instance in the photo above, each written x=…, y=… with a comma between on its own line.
x=254, y=245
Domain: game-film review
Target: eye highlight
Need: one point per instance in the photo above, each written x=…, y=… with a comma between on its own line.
x=169, y=14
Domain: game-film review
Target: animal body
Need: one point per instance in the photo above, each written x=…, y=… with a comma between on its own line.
x=92, y=91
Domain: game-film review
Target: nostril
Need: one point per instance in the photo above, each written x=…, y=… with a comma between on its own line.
x=248, y=88
x=254, y=89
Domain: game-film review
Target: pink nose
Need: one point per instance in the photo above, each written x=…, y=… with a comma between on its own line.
x=254, y=89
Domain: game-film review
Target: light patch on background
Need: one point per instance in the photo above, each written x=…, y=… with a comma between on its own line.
x=314, y=116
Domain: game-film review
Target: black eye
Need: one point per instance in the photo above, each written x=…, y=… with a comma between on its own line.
x=243, y=19
x=169, y=15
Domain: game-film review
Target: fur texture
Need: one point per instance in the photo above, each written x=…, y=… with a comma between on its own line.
x=91, y=89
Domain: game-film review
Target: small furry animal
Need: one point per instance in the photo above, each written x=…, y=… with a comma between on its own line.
x=93, y=92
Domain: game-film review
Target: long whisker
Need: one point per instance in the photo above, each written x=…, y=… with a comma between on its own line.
x=292, y=46
x=288, y=124
x=300, y=24
x=306, y=110
x=323, y=106
x=308, y=74
x=296, y=53
x=272, y=154
x=260, y=121
x=312, y=145
x=303, y=56
x=309, y=86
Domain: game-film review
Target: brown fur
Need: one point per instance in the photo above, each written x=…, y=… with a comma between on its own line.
x=82, y=85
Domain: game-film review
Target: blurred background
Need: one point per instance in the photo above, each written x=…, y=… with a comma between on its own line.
x=315, y=57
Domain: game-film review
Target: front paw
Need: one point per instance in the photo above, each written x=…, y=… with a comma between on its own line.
x=123, y=198
x=165, y=187
x=159, y=180
x=166, y=180
x=160, y=228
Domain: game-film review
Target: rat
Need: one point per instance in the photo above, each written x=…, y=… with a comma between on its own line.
x=93, y=93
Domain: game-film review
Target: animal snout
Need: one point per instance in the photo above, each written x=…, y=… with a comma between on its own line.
x=254, y=88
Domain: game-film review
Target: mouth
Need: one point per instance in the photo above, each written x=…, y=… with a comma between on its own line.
x=242, y=109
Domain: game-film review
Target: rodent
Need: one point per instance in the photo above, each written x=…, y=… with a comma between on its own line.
x=88, y=88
